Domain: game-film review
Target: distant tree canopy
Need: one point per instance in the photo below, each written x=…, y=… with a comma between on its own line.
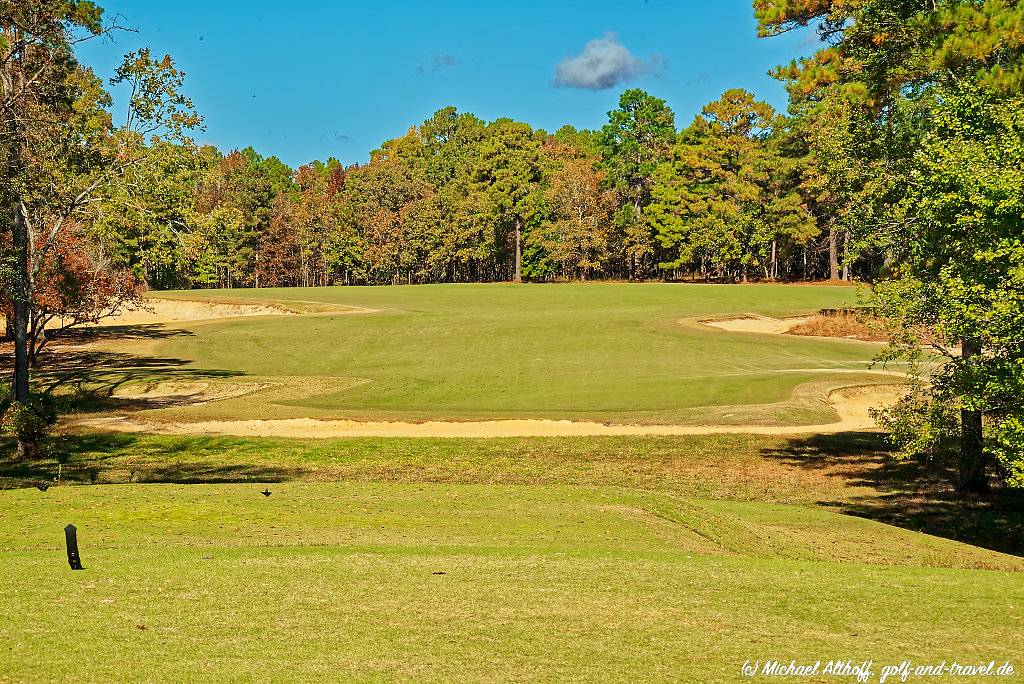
x=459, y=199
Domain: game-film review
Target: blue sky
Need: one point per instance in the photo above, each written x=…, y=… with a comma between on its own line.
x=309, y=80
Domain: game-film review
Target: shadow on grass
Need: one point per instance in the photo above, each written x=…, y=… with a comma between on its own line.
x=909, y=494
x=86, y=379
x=141, y=331
x=126, y=459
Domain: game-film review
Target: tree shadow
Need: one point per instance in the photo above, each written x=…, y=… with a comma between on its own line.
x=88, y=380
x=107, y=458
x=85, y=378
x=140, y=331
x=907, y=493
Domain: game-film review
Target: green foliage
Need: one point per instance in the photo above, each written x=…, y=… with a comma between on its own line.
x=920, y=426
x=723, y=203
x=637, y=138
x=508, y=177
x=28, y=420
x=144, y=223
x=878, y=49
x=157, y=105
x=961, y=275
x=958, y=232
x=443, y=203
x=1007, y=445
x=912, y=119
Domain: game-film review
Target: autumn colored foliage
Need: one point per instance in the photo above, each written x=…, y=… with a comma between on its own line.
x=74, y=286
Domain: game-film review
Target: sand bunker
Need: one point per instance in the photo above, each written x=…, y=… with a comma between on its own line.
x=175, y=310
x=758, y=324
x=852, y=404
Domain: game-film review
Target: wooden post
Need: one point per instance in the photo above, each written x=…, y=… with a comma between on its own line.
x=71, y=534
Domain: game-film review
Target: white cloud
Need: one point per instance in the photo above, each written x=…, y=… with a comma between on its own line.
x=604, y=63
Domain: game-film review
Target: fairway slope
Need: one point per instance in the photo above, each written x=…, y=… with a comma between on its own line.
x=853, y=406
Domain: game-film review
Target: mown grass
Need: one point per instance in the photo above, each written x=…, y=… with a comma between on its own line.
x=542, y=559
x=595, y=352
x=435, y=582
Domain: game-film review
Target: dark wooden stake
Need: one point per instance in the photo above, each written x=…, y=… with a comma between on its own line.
x=71, y=534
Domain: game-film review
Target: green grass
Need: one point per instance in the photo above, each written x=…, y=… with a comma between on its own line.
x=365, y=581
x=851, y=472
x=603, y=351
x=528, y=559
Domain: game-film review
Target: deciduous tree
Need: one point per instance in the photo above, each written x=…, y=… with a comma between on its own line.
x=940, y=81
x=60, y=147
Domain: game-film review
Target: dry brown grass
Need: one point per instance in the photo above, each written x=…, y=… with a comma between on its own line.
x=848, y=325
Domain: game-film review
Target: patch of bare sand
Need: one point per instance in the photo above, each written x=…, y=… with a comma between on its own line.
x=179, y=310
x=852, y=404
x=758, y=324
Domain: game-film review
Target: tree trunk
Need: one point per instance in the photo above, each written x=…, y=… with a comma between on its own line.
x=21, y=305
x=27, y=446
x=518, y=276
x=14, y=80
x=846, y=262
x=833, y=253
x=973, y=478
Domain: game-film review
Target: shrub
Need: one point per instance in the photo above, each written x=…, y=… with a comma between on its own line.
x=29, y=420
x=859, y=326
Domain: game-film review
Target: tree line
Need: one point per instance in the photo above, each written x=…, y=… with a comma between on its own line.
x=459, y=199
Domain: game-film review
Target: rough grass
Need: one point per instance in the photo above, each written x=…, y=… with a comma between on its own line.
x=843, y=324
x=606, y=352
x=850, y=472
